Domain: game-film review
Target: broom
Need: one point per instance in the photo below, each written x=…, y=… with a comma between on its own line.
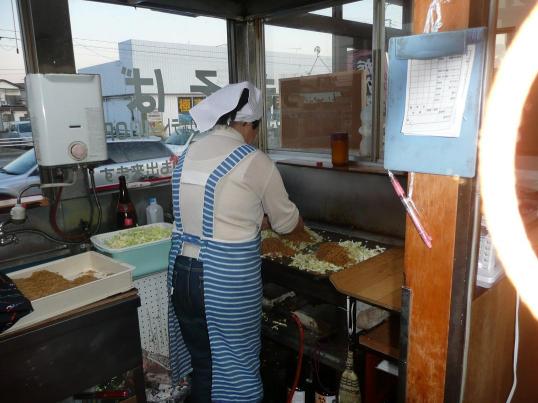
x=349, y=391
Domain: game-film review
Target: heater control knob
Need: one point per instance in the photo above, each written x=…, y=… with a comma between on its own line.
x=78, y=151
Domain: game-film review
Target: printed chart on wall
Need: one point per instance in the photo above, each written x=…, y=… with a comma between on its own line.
x=434, y=100
x=436, y=93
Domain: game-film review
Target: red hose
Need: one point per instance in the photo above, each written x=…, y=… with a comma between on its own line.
x=299, y=358
x=54, y=224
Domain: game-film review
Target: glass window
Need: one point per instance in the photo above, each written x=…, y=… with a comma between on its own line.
x=116, y=153
x=320, y=83
x=21, y=164
x=360, y=11
x=145, y=150
x=325, y=11
x=15, y=132
x=154, y=66
x=178, y=139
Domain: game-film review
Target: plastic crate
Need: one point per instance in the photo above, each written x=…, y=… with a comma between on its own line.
x=147, y=258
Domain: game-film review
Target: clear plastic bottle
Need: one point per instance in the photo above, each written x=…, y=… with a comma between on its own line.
x=154, y=212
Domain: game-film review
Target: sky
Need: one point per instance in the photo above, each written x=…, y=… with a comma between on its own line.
x=97, y=43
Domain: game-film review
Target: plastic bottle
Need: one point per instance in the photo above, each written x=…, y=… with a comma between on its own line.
x=154, y=212
x=125, y=210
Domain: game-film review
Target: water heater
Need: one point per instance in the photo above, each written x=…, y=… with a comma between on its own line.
x=66, y=111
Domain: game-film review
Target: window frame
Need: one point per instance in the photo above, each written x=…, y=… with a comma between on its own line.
x=336, y=25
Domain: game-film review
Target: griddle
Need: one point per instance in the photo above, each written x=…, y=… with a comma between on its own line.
x=316, y=285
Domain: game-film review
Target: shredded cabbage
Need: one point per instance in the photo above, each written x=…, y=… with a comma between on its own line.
x=356, y=251
x=315, y=238
x=138, y=236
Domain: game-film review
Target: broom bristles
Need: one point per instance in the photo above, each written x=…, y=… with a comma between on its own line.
x=349, y=391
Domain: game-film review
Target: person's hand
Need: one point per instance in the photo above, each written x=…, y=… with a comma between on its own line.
x=265, y=223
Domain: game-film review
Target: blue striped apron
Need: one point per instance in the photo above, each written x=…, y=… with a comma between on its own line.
x=232, y=295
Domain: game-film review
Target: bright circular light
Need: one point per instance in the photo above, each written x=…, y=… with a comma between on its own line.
x=497, y=161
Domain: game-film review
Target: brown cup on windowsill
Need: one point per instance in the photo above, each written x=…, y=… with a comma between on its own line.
x=340, y=149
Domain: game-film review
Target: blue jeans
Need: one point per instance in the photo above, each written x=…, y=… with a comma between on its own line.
x=188, y=301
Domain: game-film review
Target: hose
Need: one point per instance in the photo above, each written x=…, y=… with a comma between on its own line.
x=78, y=237
x=54, y=224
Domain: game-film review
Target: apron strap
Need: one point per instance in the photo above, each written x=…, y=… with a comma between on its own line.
x=176, y=179
x=209, y=195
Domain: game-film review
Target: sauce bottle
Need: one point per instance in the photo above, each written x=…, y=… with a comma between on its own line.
x=125, y=211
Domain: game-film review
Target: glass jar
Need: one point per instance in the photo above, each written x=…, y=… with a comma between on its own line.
x=340, y=149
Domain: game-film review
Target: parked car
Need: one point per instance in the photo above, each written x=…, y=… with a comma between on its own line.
x=139, y=159
x=22, y=129
x=180, y=140
x=18, y=174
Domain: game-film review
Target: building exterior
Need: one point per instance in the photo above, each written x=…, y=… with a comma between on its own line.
x=172, y=77
x=12, y=104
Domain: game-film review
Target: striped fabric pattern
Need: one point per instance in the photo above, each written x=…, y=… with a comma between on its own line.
x=176, y=345
x=233, y=295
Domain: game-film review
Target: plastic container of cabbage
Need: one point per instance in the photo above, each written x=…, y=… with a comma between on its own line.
x=145, y=247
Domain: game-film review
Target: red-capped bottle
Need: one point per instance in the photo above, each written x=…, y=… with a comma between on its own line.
x=125, y=211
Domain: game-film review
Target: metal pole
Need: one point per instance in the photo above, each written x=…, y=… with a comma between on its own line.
x=378, y=96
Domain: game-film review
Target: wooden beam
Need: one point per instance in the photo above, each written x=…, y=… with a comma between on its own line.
x=428, y=273
x=438, y=277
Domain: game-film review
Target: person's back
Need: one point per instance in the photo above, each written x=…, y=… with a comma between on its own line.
x=241, y=197
x=221, y=188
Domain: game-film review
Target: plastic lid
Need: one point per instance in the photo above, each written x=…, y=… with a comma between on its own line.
x=339, y=136
x=152, y=200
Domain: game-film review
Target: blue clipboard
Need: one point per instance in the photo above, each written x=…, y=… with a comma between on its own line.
x=430, y=154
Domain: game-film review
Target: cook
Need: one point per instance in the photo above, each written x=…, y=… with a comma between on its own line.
x=221, y=188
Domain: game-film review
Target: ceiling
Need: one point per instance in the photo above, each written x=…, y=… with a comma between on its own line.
x=233, y=9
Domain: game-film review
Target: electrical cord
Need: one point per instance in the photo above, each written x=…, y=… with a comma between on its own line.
x=99, y=208
x=299, y=358
x=516, y=352
x=317, y=358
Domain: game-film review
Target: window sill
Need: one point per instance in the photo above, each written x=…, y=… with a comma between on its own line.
x=353, y=166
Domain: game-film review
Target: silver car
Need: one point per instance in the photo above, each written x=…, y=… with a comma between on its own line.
x=143, y=159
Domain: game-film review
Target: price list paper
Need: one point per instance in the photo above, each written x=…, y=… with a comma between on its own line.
x=436, y=93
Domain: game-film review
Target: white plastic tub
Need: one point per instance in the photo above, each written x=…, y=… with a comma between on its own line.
x=147, y=258
x=113, y=278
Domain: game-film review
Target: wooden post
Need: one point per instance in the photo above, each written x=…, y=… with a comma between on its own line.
x=437, y=277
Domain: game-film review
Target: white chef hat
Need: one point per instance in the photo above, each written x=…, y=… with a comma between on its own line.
x=207, y=112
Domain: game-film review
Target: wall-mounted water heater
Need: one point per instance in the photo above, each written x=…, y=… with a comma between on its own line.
x=66, y=111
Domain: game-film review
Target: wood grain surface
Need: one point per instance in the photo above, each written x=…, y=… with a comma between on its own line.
x=491, y=346
x=429, y=275
x=377, y=280
x=384, y=338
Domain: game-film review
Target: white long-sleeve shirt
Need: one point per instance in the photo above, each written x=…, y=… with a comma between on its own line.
x=252, y=188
